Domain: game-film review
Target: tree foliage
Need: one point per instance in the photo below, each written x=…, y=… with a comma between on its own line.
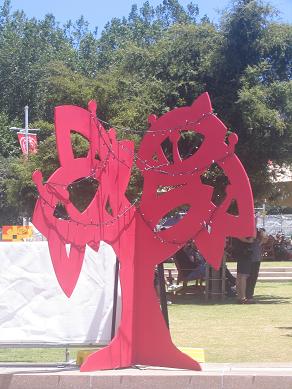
x=151, y=61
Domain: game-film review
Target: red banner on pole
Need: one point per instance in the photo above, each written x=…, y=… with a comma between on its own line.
x=32, y=142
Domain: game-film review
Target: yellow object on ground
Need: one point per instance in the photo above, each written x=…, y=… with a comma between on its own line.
x=197, y=354
x=82, y=355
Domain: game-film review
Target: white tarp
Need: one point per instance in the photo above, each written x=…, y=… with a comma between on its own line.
x=33, y=308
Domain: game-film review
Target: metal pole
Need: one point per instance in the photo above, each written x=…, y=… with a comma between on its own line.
x=26, y=219
x=163, y=300
x=115, y=298
x=26, y=129
x=67, y=355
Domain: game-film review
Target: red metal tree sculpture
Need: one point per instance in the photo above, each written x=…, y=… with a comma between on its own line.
x=170, y=181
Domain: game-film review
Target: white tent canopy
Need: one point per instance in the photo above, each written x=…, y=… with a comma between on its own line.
x=33, y=308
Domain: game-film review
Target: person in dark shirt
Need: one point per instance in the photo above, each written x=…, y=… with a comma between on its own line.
x=242, y=252
x=256, y=256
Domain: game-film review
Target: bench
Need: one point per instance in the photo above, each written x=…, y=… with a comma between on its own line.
x=174, y=275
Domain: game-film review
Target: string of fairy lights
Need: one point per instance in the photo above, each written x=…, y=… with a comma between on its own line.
x=157, y=168
x=135, y=156
x=92, y=224
x=162, y=130
x=204, y=226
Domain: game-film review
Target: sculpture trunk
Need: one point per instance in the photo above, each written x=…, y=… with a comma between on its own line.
x=143, y=337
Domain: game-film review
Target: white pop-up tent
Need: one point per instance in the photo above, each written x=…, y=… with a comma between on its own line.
x=34, y=309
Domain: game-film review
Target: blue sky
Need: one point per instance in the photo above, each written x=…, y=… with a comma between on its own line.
x=98, y=12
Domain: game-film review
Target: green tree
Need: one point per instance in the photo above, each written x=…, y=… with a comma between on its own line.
x=20, y=190
x=155, y=59
x=26, y=46
x=9, y=145
x=252, y=88
x=65, y=86
x=9, y=214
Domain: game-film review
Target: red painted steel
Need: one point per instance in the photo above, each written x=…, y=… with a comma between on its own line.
x=142, y=337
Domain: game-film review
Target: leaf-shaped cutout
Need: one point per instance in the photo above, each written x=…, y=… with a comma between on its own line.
x=82, y=191
x=80, y=144
x=189, y=143
x=167, y=149
x=162, y=189
x=233, y=208
x=108, y=207
x=60, y=211
x=214, y=176
x=172, y=217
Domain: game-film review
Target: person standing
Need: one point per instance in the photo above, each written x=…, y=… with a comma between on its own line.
x=256, y=256
x=241, y=251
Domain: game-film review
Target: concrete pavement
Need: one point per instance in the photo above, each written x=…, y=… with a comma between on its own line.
x=213, y=376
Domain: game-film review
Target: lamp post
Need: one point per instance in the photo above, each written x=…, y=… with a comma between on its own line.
x=25, y=130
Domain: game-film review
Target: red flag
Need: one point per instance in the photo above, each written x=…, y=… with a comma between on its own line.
x=32, y=142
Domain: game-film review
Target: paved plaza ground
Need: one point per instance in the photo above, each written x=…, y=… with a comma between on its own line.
x=213, y=376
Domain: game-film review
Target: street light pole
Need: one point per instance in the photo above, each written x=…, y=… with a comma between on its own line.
x=26, y=129
x=26, y=133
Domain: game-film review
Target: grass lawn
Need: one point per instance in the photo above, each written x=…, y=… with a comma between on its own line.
x=265, y=264
x=43, y=355
x=228, y=332
x=232, y=265
x=276, y=264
